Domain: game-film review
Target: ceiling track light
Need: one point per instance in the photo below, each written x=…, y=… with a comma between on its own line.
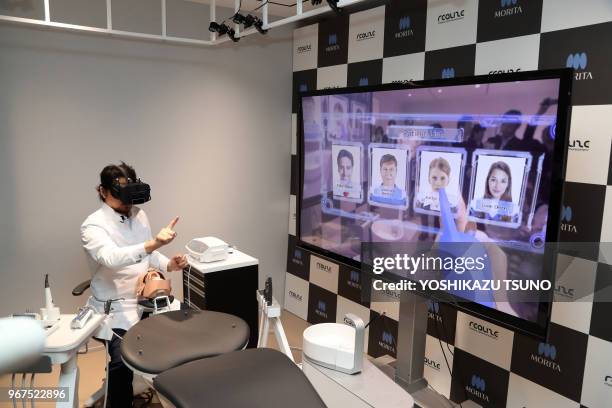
x=333, y=4
x=248, y=21
x=223, y=29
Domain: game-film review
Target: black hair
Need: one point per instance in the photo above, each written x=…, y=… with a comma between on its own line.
x=111, y=173
x=388, y=158
x=344, y=153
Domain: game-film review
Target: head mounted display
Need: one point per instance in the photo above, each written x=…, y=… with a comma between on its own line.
x=134, y=192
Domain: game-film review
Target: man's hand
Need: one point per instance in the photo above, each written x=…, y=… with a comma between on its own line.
x=163, y=237
x=177, y=263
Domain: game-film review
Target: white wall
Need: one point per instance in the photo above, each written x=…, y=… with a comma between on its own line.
x=206, y=127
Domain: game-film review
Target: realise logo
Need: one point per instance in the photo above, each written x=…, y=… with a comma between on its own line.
x=450, y=17
x=482, y=329
x=363, y=81
x=580, y=145
x=304, y=48
x=303, y=88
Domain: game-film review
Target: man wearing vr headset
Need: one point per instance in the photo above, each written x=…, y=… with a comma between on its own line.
x=118, y=240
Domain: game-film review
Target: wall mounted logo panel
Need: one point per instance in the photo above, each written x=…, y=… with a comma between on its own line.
x=574, y=285
x=354, y=285
x=331, y=77
x=451, y=23
x=321, y=305
x=581, y=215
x=435, y=370
x=602, y=306
x=403, y=68
x=583, y=50
x=478, y=380
x=485, y=340
x=499, y=19
x=450, y=63
x=508, y=55
x=564, y=14
x=305, y=47
x=382, y=336
x=556, y=364
x=441, y=321
x=527, y=394
x=597, y=382
x=405, y=27
x=589, y=142
x=366, y=35
x=365, y=73
x=324, y=273
x=296, y=296
x=298, y=260
x=303, y=81
x=333, y=41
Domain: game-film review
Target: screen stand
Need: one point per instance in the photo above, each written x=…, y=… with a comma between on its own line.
x=411, y=338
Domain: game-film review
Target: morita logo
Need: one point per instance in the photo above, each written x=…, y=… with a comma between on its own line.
x=332, y=43
x=487, y=331
x=566, y=219
x=321, y=309
x=433, y=364
x=547, y=354
x=304, y=48
x=368, y=35
x=295, y=296
x=297, y=257
x=433, y=309
x=354, y=280
x=404, y=28
x=504, y=71
x=387, y=342
x=450, y=17
x=477, y=388
x=579, y=62
x=508, y=8
x=580, y=145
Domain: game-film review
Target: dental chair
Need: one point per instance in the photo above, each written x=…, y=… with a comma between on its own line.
x=162, y=342
x=254, y=378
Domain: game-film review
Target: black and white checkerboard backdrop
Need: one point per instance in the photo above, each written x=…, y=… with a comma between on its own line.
x=420, y=39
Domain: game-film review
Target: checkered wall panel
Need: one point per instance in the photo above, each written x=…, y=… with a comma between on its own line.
x=420, y=39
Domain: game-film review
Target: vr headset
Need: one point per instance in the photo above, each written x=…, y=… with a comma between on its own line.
x=134, y=192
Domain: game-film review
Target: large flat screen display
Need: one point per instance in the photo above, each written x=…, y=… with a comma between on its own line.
x=395, y=163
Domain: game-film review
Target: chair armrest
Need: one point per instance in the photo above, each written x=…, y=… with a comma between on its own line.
x=81, y=287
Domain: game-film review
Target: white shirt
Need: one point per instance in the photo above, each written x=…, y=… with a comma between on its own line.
x=117, y=257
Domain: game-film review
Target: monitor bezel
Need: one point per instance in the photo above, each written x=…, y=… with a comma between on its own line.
x=539, y=328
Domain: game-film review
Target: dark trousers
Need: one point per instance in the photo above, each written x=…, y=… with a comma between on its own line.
x=120, y=391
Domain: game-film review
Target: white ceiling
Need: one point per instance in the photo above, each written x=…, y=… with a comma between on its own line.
x=273, y=9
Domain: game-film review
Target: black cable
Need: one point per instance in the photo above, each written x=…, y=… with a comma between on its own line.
x=285, y=5
x=447, y=345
